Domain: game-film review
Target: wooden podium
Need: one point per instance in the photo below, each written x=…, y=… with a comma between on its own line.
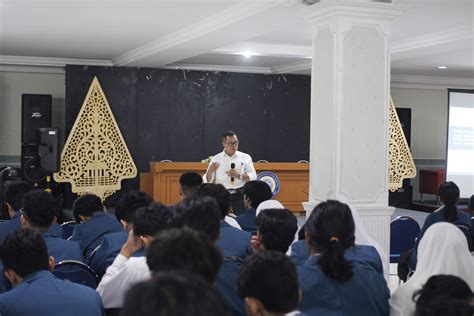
x=162, y=182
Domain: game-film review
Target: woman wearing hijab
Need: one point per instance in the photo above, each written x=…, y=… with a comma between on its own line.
x=340, y=278
x=443, y=250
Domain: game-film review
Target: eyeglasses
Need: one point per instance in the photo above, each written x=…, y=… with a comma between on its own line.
x=232, y=143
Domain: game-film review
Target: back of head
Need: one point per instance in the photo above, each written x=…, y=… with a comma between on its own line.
x=444, y=295
x=330, y=228
x=14, y=193
x=174, y=293
x=471, y=205
x=257, y=192
x=189, y=182
x=219, y=193
x=86, y=205
x=199, y=213
x=24, y=252
x=277, y=228
x=449, y=194
x=270, y=277
x=151, y=219
x=39, y=209
x=184, y=249
x=129, y=203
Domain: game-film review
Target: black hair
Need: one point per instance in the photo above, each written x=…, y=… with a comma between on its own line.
x=129, y=203
x=174, y=293
x=331, y=231
x=449, y=193
x=14, y=193
x=219, y=193
x=444, y=295
x=24, y=252
x=228, y=134
x=39, y=208
x=277, y=228
x=189, y=182
x=270, y=277
x=199, y=213
x=149, y=220
x=471, y=205
x=257, y=191
x=86, y=205
x=184, y=249
x=301, y=233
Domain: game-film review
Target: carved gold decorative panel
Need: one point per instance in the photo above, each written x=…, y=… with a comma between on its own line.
x=401, y=164
x=95, y=158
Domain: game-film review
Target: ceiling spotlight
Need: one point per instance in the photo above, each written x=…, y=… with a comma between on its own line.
x=247, y=54
x=442, y=67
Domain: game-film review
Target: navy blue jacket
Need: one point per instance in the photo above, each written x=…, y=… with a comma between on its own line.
x=299, y=252
x=89, y=233
x=226, y=284
x=246, y=220
x=366, y=293
x=9, y=226
x=62, y=249
x=41, y=293
x=233, y=242
x=108, y=251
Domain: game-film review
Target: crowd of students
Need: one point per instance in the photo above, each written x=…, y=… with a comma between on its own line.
x=195, y=258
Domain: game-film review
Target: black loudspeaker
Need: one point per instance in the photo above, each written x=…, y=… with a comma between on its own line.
x=48, y=148
x=35, y=113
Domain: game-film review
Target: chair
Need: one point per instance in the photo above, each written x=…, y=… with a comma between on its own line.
x=262, y=160
x=68, y=229
x=403, y=233
x=77, y=272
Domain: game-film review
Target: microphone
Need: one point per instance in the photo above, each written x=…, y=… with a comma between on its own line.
x=232, y=166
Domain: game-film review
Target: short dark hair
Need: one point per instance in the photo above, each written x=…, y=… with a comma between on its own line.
x=331, y=231
x=444, y=295
x=277, y=228
x=14, y=193
x=87, y=205
x=129, y=203
x=199, y=213
x=184, y=249
x=257, y=191
x=189, y=182
x=270, y=277
x=219, y=193
x=24, y=252
x=39, y=208
x=228, y=134
x=149, y=220
x=174, y=293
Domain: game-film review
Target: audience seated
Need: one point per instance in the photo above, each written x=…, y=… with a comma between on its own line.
x=184, y=249
x=443, y=250
x=268, y=204
x=13, y=196
x=174, y=293
x=444, y=295
x=449, y=195
x=130, y=267
x=255, y=192
x=340, y=278
x=189, y=182
x=268, y=283
x=93, y=221
x=111, y=244
x=233, y=242
x=36, y=290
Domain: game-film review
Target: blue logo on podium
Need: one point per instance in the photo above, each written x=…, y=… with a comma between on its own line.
x=271, y=179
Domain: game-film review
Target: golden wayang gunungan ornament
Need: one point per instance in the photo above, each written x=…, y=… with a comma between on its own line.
x=400, y=160
x=95, y=158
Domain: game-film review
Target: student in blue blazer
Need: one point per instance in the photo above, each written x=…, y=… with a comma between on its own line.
x=255, y=192
x=36, y=291
x=340, y=278
x=14, y=193
x=93, y=221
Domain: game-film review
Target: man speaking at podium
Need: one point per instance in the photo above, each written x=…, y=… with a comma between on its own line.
x=231, y=168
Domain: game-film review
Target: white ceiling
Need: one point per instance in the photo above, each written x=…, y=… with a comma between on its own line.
x=206, y=34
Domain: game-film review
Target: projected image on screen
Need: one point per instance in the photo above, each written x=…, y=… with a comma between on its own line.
x=460, y=155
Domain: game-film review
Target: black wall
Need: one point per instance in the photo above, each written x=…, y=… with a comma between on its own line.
x=180, y=115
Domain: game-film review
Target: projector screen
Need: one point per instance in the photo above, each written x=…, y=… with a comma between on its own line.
x=460, y=147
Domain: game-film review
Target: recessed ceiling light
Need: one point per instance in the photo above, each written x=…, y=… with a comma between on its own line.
x=442, y=67
x=248, y=54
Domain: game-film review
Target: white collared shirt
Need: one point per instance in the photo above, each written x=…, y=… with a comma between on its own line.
x=243, y=166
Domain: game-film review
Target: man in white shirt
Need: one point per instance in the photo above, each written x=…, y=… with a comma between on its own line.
x=231, y=168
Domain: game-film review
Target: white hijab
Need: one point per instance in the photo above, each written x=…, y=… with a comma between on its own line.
x=442, y=250
x=265, y=205
x=363, y=238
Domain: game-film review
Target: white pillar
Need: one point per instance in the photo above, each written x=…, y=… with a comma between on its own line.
x=350, y=80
